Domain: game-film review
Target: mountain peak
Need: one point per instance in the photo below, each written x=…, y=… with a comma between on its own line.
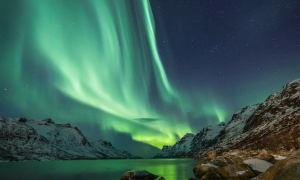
x=188, y=135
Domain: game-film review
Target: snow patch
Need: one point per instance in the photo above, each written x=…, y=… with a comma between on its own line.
x=258, y=164
x=280, y=158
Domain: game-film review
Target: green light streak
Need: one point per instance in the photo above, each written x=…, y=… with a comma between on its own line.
x=152, y=42
x=93, y=62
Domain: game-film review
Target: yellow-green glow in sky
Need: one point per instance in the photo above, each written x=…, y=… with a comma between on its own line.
x=97, y=62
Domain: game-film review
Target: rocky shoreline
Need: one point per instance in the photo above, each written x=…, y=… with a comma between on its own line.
x=249, y=164
x=238, y=165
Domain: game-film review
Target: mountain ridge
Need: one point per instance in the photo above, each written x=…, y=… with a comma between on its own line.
x=26, y=140
x=273, y=124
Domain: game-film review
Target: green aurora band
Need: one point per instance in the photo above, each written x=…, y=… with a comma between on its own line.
x=101, y=57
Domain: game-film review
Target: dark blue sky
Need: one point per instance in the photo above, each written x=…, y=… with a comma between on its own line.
x=244, y=50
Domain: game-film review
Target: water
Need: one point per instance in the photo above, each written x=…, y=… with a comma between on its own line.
x=170, y=169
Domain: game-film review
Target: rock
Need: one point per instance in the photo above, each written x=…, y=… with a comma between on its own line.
x=68, y=125
x=236, y=171
x=237, y=160
x=250, y=155
x=220, y=162
x=238, y=155
x=258, y=165
x=138, y=175
x=263, y=152
x=212, y=153
x=226, y=154
x=22, y=119
x=201, y=161
x=161, y=178
x=211, y=176
x=268, y=158
x=202, y=169
x=48, y=120
x=286, y=169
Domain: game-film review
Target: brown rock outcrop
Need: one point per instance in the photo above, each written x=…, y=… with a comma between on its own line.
x=286, y=169
x=236, y=171
x=202, y=169
x=212, y=176
x=138, y=175
x=268, y=158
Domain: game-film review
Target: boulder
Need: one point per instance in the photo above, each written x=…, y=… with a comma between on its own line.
x=22, y=119
x=226, y=154
x=268, y=158
x=286, y=169
x=212, y=153
x=202, y=169
x=220, y=162
x=48, y=120
x=237, y=160
x=138, y=175
x=262, y=152
x=211, y=176
x=201, y=161
x=236, y=171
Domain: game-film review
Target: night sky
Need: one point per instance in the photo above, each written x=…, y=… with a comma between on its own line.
x=139, y=73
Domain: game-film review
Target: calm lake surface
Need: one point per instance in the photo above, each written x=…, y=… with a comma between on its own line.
x=170, y=169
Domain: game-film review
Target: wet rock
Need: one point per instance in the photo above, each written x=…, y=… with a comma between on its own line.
x=138, y=175
x=201, y=169
x=220, y=162
x=268, y=158
x=212, y=176
x=236, y=171
x=286, y=169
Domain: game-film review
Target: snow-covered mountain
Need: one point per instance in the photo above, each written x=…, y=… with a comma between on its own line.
x=44, y=140
x=273, y=124
x=236, y=125
x=205, y=137
x=190, y=143
x=179, y=149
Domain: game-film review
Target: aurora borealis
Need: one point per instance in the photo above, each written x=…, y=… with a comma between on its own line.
x=143, y=73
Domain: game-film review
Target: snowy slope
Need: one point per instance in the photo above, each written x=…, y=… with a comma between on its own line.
x=44, y=140
x=108, y=149
x=273, y=124
x=236, y=125
x=179, y=149
x=191, y=143
x=206, y=136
